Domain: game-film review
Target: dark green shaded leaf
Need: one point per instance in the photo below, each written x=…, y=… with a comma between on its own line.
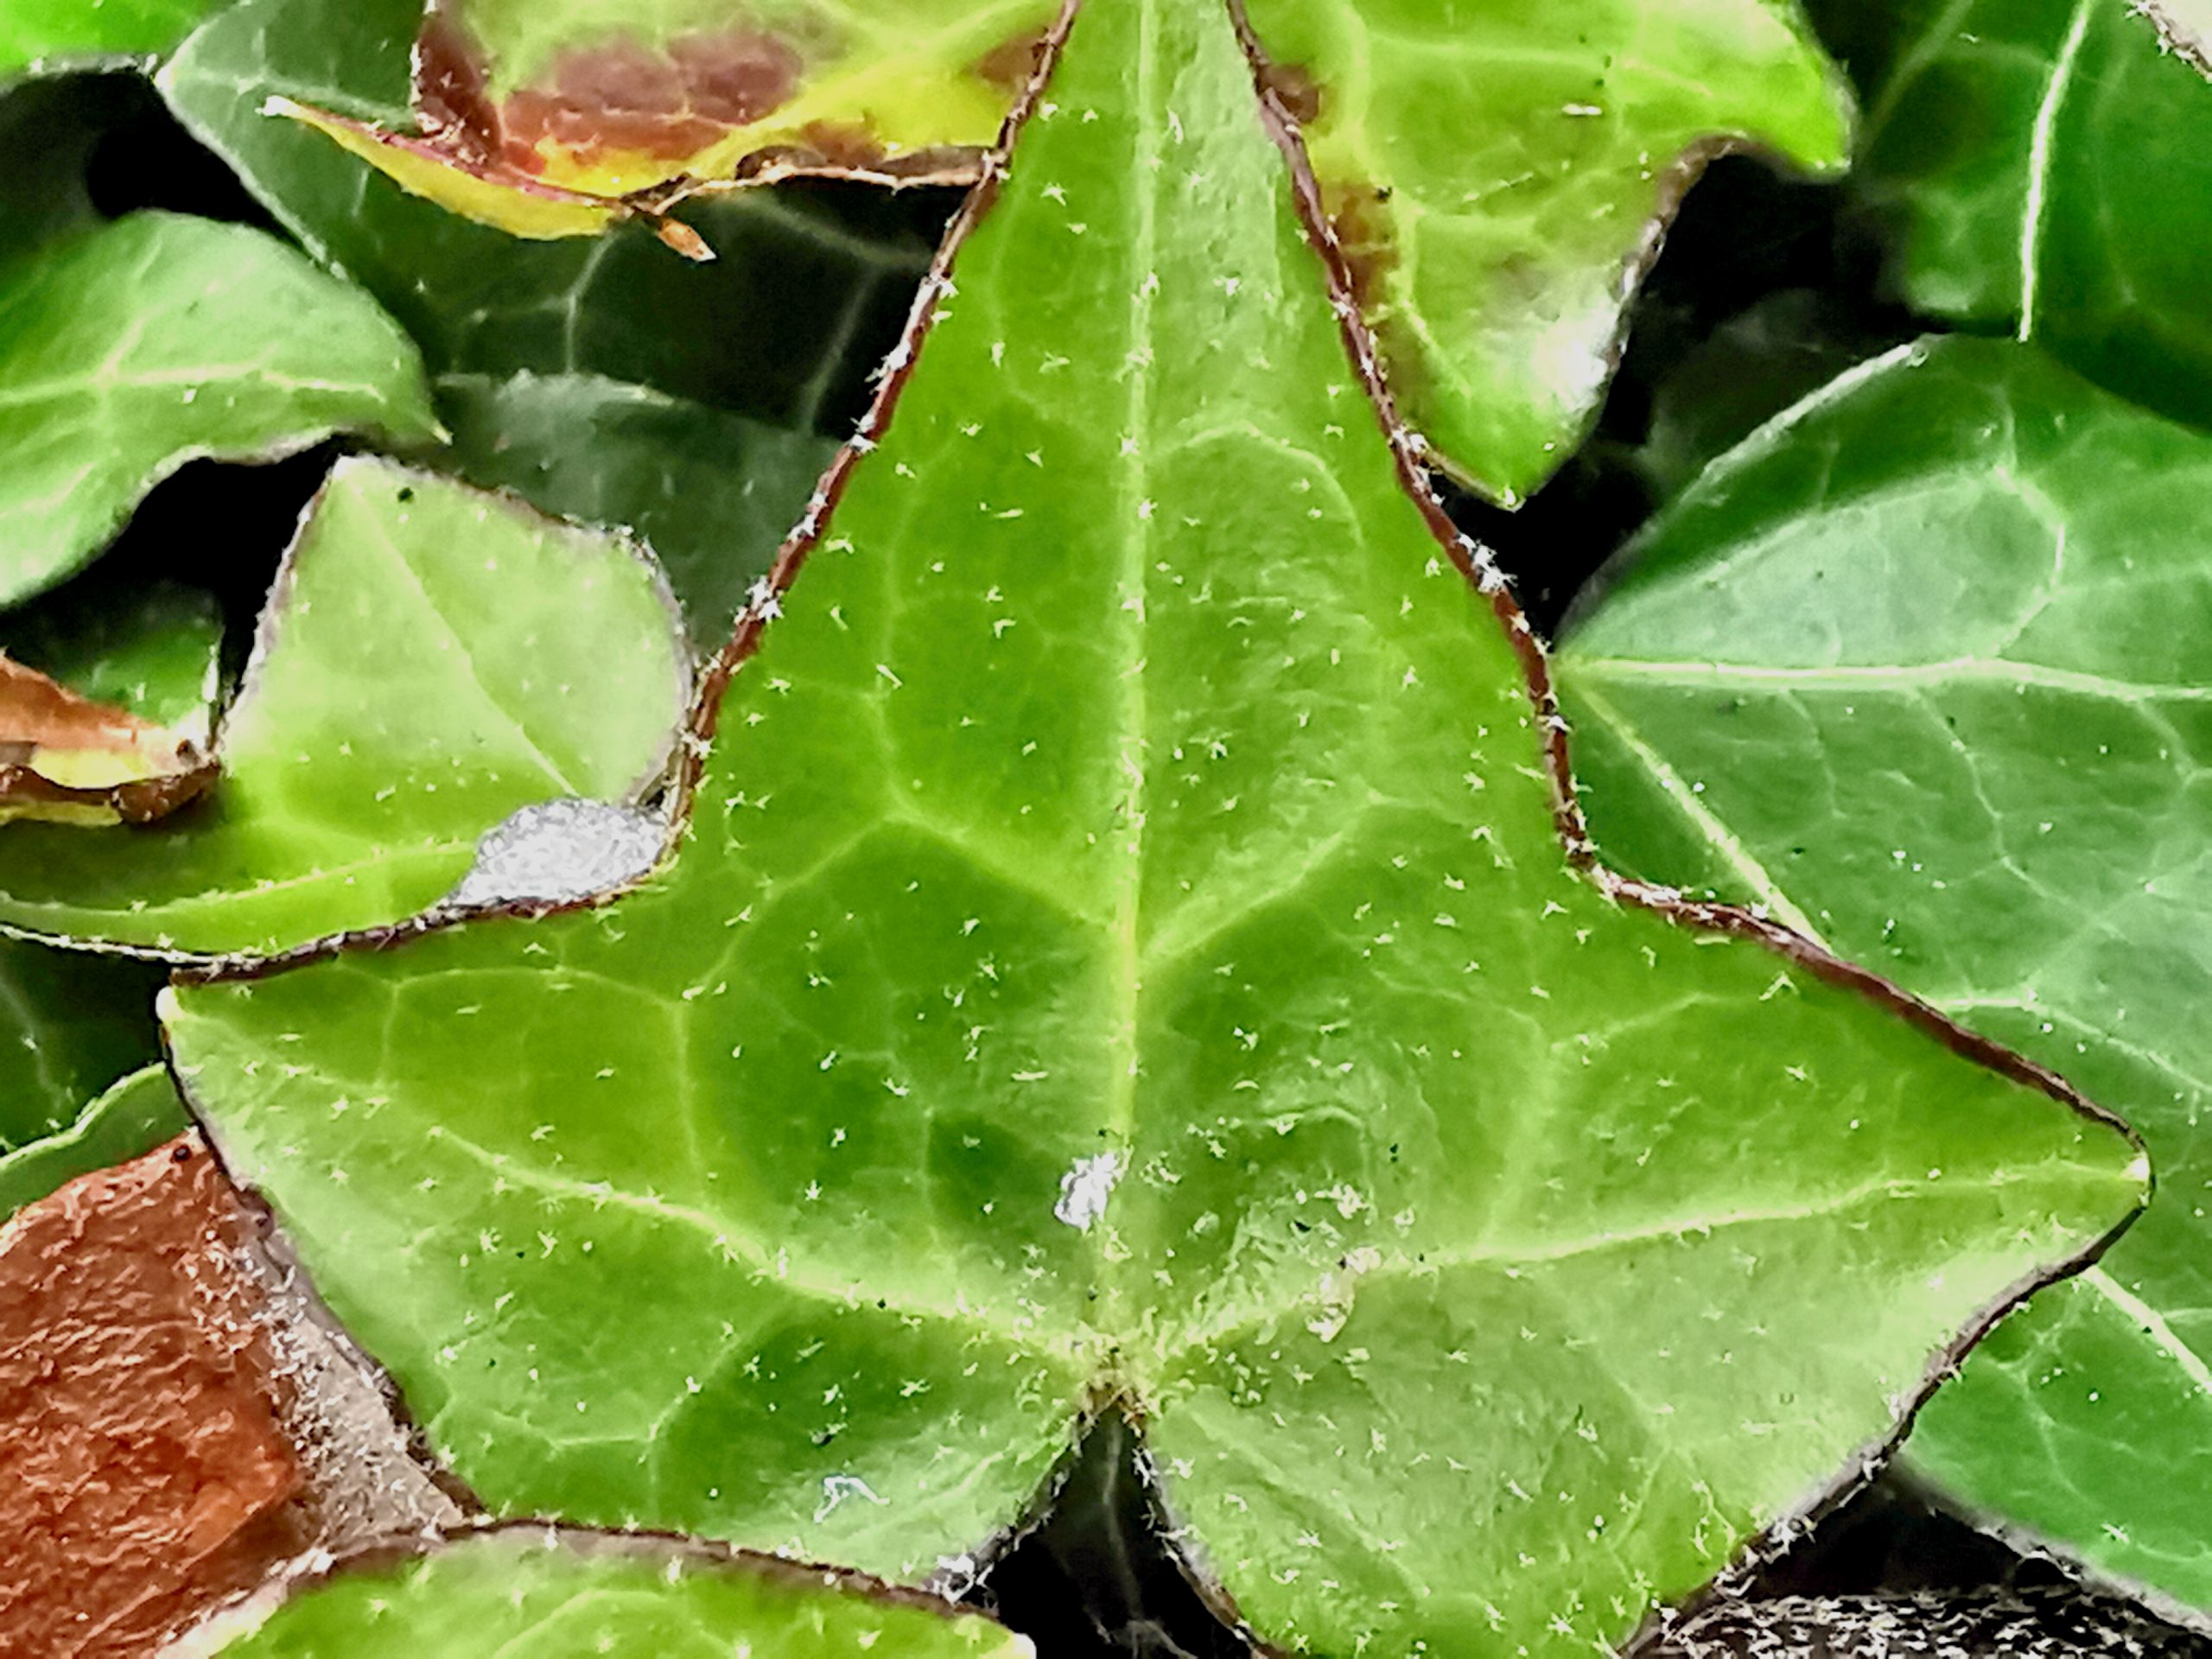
x=1123, y=950
x=159, y=340
x=792, y=310
x=1500, y=174
x=711, y=493
x=70, y=1025
x=1924, y=667
x=157, y=651
x=134, y=1116
x=574, y=1596
x=432, y=660
x=2047, y=166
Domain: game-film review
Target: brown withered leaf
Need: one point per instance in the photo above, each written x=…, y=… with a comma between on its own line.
x=555, y=119
x=68, y=759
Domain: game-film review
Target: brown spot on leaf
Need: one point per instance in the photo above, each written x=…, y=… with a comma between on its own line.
x=144, y=1471
x=1295, y=90
x=619, y=96
x=1012, y=65
x=451, y=97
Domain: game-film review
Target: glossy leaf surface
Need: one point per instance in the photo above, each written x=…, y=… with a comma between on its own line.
x=39, y=34
x=133, y=1117
x=1174, y=990
x=70, y=1025
x=159, y=340
x=581, y=1597
x=2047, y=166
x=545, y=120
x=1500, y=173
x=433, y=659
x=1923, y=666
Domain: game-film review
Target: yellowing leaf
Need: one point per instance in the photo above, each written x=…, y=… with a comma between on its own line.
x=557, y=120
x=71, y=761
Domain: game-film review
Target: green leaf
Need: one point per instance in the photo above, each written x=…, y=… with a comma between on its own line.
x=574, y=1596
x=162, y=340
x=157, y=651
x=558, y=120
x=807, y=293
x=1500, y=174
x=1123, y=951
x=134, y=1116
x=2046, y=166
x=37, y=35
x=711, y=493
x=70, y=1025
x=432, y=660
x=1923, y=666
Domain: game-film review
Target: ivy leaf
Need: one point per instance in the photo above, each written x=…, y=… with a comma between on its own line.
x=2046, y=167
x=1921, y=667
x=433, y=659
x=1500, y=175
x=161, y=340
x=557, y=120
x=133, y=1117
x=65, y=759
x=807, y=291
x=70, y=1025
x=609, y=452
x=157, y=651
x=1124, y=956
x=580, y=1595
x=38, y=35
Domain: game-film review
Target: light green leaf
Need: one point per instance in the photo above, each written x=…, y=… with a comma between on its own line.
x=37, y=35
x=2047, y=168
x=134, y=1116
x=1500, y=174
x=711, y=493
x=157, y=651
x=1123, y=951
x=161, y=340
x=432, y=660
x=1925, y=666
x=70, y=1025
x=579, y=1596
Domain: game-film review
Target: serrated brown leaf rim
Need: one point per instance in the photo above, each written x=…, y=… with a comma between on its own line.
x=1410, y=453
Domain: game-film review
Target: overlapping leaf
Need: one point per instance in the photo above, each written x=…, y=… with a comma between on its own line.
x=557, y=120
x=126, y=353
x=2047, y=167
x=1500, y=174
x=157, y=651
x=134, y=1116
x=577, y=1596
x=1922, y=667
x=432, y=660
x=1123, y=950
x=39, y=34
x=69, y=1027
x=808, y=290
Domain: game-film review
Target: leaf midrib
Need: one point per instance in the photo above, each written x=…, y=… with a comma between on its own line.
x=1124, y=938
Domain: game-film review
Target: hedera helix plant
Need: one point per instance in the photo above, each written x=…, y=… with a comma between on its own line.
x=1128, y=944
